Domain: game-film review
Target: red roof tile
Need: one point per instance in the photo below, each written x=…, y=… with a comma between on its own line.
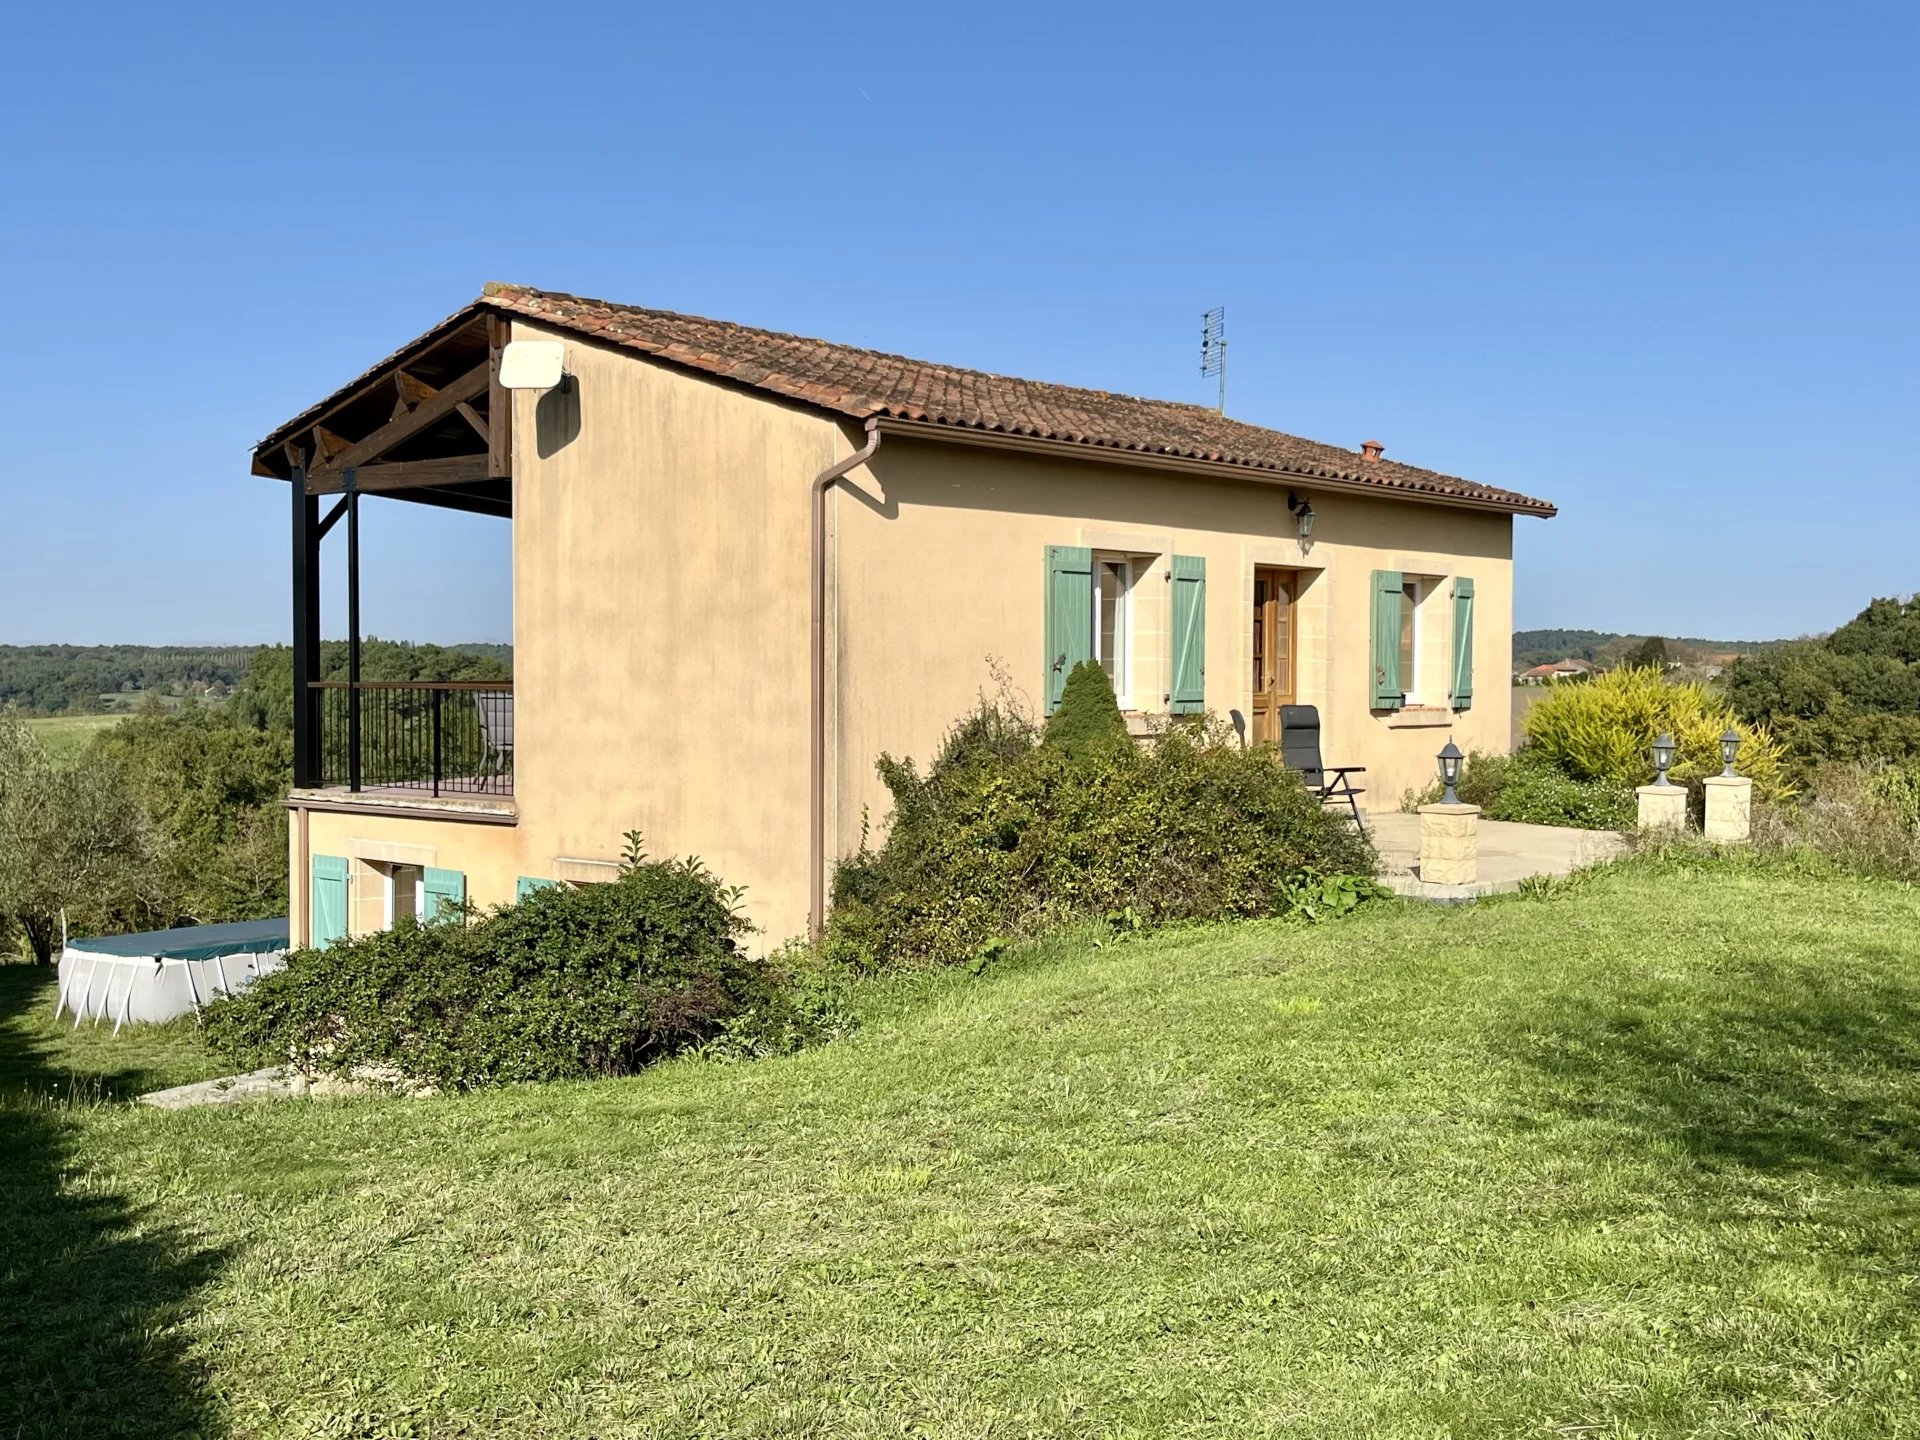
x=862, y=384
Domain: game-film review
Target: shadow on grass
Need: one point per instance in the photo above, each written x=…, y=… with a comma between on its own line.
x=1782, y=1068
x=91, y=1291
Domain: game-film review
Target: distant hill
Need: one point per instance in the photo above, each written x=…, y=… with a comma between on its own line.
x=1606, y=647
x=93, y=679
x=489, y=650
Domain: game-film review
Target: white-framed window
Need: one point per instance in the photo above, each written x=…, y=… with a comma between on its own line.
x=406, y=893
x=1113, y=585
x=1415, y=591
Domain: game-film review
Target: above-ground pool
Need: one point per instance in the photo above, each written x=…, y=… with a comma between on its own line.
x=159, y=974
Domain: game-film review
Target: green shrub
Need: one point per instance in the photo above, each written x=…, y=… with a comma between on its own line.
x=1088, y=717
x=1526, y=787
x=1862, y=817
x=1538, y=793
x=1482, y=779
x=1899, y=786
x=1854, y=695
x=598, y=980
x=1005, y=837
x=1604, y=731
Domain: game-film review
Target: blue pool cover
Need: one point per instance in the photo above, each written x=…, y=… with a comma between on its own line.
x=193, y=942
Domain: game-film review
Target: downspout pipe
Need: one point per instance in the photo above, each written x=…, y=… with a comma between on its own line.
x=817, y=742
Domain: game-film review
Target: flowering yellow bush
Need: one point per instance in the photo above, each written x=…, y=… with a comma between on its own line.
x=1604, y=730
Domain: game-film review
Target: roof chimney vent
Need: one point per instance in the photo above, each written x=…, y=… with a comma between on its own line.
x=1371, y=449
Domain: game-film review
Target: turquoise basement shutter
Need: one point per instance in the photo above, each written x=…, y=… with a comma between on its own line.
x=445, y=889
x=328, y=897
x=1462, y=642
x=1069, y=614
x=530, y=883
x=1389, y=692
x=1188, y=693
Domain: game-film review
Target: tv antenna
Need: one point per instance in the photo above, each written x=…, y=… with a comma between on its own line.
x=1213, y=349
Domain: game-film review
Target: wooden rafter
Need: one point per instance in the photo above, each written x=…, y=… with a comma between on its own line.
x=427, y=413
x=474, y=503
x=326, y=444
x=401, y=475
x=459, y=333
x=468, y=414
x=409, y=392
x=499, y=401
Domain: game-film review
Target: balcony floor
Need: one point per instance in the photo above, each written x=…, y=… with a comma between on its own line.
x=408, y=800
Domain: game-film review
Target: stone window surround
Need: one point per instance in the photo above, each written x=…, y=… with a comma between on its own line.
x=1313, y=682
x=1150, y=616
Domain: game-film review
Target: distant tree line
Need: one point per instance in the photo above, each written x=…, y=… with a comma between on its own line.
x=1851, y=695
x=1608, y=649
x=72, y=679
x=264, y=698
x=174, y=816
x=91, y=679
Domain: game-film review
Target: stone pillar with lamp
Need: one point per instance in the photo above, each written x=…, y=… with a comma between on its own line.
x=1663, y=804
x=1729, y=797
x=1450, y=830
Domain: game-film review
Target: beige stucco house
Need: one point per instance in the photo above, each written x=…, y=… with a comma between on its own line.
x=746, y=563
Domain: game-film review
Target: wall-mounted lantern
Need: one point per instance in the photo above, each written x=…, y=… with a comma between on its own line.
x=1302, y=512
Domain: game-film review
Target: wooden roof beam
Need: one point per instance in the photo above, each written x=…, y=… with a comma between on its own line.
x=401, y=475
x=326, y=444
x=410, y=392
x=427, y=413
x=480, y=426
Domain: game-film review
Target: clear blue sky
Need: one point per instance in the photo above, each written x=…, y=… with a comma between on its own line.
x=1654, y=262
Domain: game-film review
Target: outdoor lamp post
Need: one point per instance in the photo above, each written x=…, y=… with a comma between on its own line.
x=1450, y=831
x=1663, y=749
x=1729, y=808
x=1450, y=759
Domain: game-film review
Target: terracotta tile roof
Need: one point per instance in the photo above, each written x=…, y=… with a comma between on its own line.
x=863, y=384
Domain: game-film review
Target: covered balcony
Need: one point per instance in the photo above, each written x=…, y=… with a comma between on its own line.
x=431, y=425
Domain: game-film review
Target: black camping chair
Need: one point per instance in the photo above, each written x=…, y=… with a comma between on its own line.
x=1300, y=750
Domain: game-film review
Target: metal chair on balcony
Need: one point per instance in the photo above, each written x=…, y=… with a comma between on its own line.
x=1300, y=750
x=495, y=709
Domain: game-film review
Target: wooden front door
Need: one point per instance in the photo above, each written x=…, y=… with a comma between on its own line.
x=1273, y=686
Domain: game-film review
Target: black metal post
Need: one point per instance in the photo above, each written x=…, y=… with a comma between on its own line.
x=434, y=705
x=306, y=633
x=353, y=631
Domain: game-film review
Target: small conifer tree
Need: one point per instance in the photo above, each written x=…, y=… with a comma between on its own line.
x=1087, y=717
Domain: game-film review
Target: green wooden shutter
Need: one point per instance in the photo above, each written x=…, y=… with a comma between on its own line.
x=1188, y=693
x=327, y=897
x=1069, y=614
x=530, y=883
x=1389, y=690
x=444, y=890
x=1462, y=643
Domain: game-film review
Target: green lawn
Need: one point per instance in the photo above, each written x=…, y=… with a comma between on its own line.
x=43, y=1060
x=65, y=736
x=1638, y=1158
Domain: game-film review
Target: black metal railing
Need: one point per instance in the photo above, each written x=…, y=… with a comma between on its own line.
x=446, y=737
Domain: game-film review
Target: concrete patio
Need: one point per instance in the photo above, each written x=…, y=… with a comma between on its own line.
x=1509, y=853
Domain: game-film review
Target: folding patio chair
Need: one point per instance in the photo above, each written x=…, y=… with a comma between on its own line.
x=1300, y=751
x=496, y=735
